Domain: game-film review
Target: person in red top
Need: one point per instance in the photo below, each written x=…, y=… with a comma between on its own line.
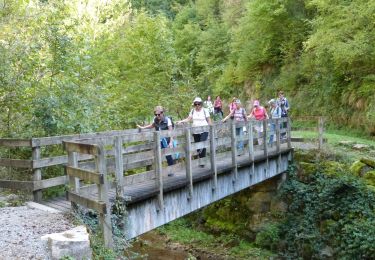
x=259, y=113
x=218, y=107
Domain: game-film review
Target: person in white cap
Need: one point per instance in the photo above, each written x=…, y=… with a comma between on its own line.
x=200, y=117
x=274, y=113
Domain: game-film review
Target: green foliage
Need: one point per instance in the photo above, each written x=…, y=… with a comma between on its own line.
x=337, y=212
x=268, y=236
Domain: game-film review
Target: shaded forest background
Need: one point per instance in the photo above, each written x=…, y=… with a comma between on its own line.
x=81, y=66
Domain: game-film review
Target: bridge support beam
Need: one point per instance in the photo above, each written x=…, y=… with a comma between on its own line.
x=143, y=216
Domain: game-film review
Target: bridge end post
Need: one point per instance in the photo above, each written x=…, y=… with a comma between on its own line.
x=105, y=217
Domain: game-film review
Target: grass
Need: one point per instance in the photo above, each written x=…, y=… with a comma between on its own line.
x=182, y=232
x=345, y=149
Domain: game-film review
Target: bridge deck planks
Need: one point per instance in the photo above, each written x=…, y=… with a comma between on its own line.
x=147, y=189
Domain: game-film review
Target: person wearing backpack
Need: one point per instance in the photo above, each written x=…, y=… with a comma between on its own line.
x=200, y=117
x=162, y=122
x=284, y=105
x=259, y=113
x=275, y=113
x=239, y=115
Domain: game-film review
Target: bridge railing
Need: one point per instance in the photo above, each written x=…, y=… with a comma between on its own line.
x=315, y=124
x=26, y=164
x=40, y=156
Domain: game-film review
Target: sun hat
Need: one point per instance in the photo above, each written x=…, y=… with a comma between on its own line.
x=158, y=109
x=256, y=103
x=237, y=101
x=272, y=101
x=198, y=100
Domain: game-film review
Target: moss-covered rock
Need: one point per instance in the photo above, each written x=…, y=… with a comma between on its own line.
x=304, y=156
x=368, y=162
x=332, y=168
x=305, y=170
x=357, y=168
x=370, y=177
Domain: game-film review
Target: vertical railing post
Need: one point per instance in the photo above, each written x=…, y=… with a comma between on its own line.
x=104, y=218
x=234, y=150
x=189, y=172
x=320, y=132
x=265, y=147
x=37, y=173
x=73, y=181
x=278, y=143
x=213, y=155
x=119, y=165
x=251, y=149
x=158, y=169
x=289, y=132
x=277, y=135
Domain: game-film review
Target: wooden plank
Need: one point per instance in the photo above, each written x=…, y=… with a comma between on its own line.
x=289, y=132
x=200, y=145
x=85, y=175
x=119, y=164
x=57, y=160
x=99, y=206
x=53, y=140
x=104, y=217
x=52, y=182
x=81, y=148
x=17, y=163
x=189, y=171
x=304, y=140
x=137, y=137
x=158, y=170
x=10, y=142
x=234, y=152
x=213, y=155
x=17, y=185
x=37, y=174
x=320, y=132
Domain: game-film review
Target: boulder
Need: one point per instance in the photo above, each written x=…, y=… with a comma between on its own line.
x=74, y=243
x=370, y=178
x=361, y=147
x=346, y=143
x=357, y=168
x=368, y=162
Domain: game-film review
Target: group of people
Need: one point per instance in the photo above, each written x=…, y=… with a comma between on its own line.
x=201, y=113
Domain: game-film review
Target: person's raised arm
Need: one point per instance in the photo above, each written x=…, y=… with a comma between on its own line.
x=146, y=126
x=184, y=120
x=229, y=115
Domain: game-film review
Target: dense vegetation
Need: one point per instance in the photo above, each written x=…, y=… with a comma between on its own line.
x=73, y=66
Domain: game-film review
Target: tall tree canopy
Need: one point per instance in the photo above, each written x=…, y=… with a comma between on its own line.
x=80, y=66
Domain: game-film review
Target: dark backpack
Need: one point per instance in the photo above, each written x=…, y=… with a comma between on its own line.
x=163, y=125
x=171, y=121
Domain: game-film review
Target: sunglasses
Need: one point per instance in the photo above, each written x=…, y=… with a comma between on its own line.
x=158, y=114
x=197, y=104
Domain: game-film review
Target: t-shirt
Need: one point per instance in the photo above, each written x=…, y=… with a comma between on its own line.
x=275, y=112
x=239, y=114
x=259, y=113
x=199, y=117
x=208, y=104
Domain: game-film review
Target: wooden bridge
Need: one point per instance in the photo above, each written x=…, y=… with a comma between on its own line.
x=130, y=166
